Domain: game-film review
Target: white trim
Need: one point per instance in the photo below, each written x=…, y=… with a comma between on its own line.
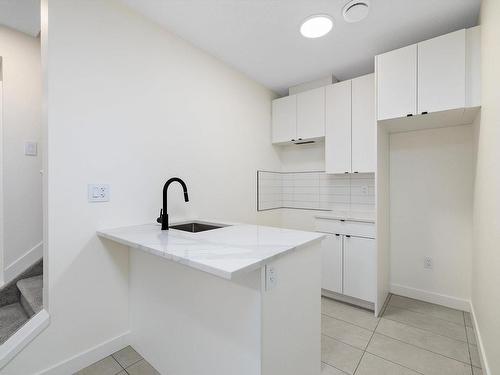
x=24, y=262
x=432, y=297
x=482, y=356
x=2, y=278
x=33, y=327
x=86, y=358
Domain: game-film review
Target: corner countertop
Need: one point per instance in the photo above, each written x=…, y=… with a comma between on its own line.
x=225, y=252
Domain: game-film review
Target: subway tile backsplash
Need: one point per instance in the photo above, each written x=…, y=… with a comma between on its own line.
x=316, y=191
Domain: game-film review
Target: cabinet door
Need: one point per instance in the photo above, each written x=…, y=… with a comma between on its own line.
x=359, y=268
x=284, y=119
x=397, y=83
x=441, y=73
x=338, y=128
x=363, y=124
x=331, y=263
x=311, y=114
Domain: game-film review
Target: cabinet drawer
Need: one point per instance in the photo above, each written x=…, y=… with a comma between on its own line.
x=353, y=228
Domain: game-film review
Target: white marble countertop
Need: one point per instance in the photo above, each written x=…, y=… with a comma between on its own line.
x=363, y=216
x=225, y=252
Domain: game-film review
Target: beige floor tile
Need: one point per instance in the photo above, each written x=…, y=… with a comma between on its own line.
x=373, y=365
x=425, y=339
x=474, y=356
x=127, y=356
x=350, y=314
x=441, y=312
x=142, y=368
x=342, y=356
x=417, y=359
x=329, y=370
x=106, y=366
x=468, y=319
x=477, y=371
x=427, y=322
x=471, y=335
x=122, y=373
x=345, y=332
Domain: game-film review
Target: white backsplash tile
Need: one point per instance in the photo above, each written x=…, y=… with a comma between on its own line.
x=316, y=190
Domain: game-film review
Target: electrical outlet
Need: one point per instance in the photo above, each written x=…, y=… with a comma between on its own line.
x=428, y=263
x=271, y=277
x=364, y=190
x=98, y=193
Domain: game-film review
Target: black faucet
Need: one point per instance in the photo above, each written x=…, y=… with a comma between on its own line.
x=163, y=219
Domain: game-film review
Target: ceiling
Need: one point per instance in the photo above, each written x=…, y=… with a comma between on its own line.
x=22, y=15
x=261, y=37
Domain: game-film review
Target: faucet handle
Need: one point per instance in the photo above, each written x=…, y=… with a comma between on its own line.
x=160, y=218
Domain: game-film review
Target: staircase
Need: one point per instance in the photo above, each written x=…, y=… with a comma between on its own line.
x=20, y=299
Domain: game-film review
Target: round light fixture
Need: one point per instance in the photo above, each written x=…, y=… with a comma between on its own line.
x=316, y=26
x=356, y=10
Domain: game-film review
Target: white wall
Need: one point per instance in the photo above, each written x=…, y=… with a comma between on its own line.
x=131, y=105
x=486, y=254
x=431, y=187
x=21, y=179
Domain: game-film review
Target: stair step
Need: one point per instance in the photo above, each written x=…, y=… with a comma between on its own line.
x=12, y=317
x=31, y=294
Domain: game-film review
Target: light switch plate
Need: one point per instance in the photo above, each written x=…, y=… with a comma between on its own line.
x=98, y=193
x=30, y=148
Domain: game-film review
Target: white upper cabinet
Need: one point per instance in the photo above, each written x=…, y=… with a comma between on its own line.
x=397, y=83
x=363, y=124
x=284, y=120
x=350, y=126
x=338, y=128
x=331, y=263
x=440, y=77
x=311, y=114
x=441, y=73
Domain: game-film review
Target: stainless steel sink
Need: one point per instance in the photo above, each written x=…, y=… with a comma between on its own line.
x=195, y=227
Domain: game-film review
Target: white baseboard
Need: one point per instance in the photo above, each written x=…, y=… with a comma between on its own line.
x=86, y=358
x=22, y=263
x=484, y=361
x=424, y=295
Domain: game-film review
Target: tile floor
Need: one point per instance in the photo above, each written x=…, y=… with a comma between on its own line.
x=123, y=362
x=411, y=338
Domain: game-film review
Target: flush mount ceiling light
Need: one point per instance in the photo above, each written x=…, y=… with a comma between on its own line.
x=316, y=26
x=356, y=10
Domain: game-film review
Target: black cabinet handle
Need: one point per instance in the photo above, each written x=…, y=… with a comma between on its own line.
x=336, y=234
x=300, y=139
x=293, y=140
x=409, y=115
x=342, y=220
x=356, y=172
x=425, y=113
x=346, y=172
x=348, y=235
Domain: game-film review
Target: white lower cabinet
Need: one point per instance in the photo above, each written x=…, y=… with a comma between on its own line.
x=349, y=263
x=331, y=263
x=359, y=268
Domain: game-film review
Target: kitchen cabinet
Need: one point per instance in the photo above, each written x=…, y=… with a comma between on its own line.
x=359, y=268
x=284, y=119
x=437, y=75
x=299, y=117
x=311, y=114
x=350, y=126
x=331, y=263
x=348, y=261
x=441, y=73
x=338, y=128
x=363, y=124
x=397, y=83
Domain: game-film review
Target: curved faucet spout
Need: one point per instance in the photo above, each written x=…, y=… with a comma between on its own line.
x=163, y=219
